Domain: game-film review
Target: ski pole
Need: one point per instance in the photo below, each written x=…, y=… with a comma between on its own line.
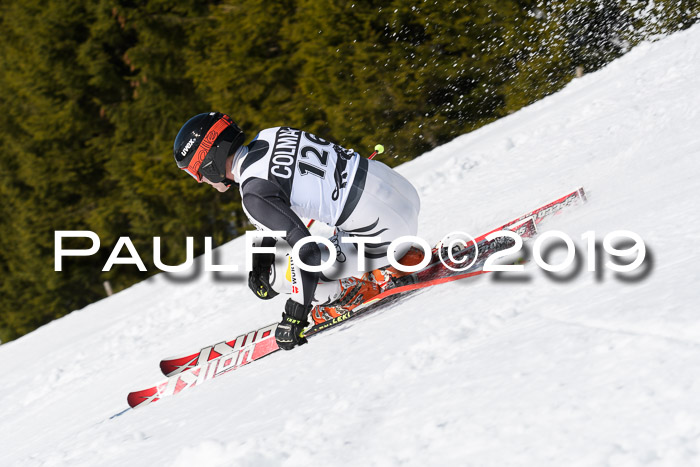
x=378, y=149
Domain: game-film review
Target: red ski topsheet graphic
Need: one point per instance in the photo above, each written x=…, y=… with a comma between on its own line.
x=212, y=361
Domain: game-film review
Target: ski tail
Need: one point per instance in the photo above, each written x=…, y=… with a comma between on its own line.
x=574, y=198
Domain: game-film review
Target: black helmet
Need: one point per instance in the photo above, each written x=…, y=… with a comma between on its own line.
x=203, y=144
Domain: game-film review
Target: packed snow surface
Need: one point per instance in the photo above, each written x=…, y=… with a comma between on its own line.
x=591, y=369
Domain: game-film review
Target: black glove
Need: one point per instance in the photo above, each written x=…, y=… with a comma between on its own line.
x=288, y=333
x=259, y=276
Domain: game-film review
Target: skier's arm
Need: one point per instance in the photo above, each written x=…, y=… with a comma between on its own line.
x=268, y=208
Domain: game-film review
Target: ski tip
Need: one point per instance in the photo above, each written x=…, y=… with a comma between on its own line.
x=137, y=399
x=166, y=367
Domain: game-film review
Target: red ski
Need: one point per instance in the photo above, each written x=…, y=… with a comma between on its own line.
x=213, y=361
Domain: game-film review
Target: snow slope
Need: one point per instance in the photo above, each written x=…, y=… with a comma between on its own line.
x=587, y=371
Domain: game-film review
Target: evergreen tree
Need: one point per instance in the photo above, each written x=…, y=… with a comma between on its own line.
x=48, y=133
x=92, y=95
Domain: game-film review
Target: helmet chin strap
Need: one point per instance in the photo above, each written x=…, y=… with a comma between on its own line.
x=231, y=181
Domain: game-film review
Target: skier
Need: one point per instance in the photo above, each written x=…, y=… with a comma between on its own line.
x=285, y=174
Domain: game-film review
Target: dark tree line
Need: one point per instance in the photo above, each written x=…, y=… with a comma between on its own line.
x=93, y=93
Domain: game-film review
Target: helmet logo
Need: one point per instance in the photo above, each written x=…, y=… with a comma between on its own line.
x=188, y=146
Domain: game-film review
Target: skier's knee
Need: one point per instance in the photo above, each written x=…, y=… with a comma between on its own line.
x=310, y=254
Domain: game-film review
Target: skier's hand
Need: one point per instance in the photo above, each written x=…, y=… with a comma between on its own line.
x=259, y=283
x=259, y=276
x=289, y=332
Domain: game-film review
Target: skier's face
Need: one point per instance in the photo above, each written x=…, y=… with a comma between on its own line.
x=219, y=186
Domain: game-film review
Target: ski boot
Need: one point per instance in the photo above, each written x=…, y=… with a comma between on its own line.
x=386, y=277
x=353, y=292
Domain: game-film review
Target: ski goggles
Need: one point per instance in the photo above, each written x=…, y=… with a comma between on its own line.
x=197, y=176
